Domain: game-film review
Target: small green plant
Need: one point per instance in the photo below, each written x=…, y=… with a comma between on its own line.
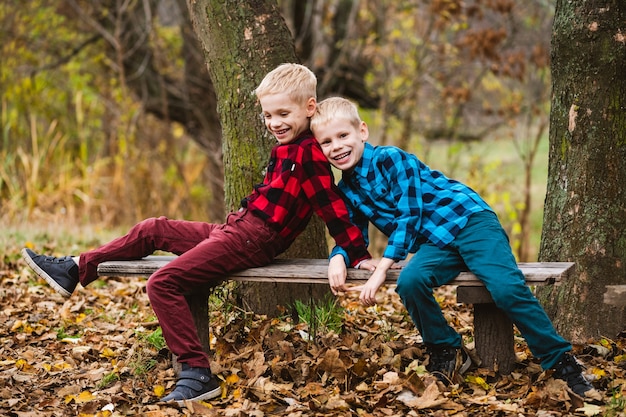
x=108, y=379
x=321, y=316
x=99, y=283
x=616, y=405
x=151, y=340
x=142, y=357
x=62, y=333
x=142, y=366
x=155, y=339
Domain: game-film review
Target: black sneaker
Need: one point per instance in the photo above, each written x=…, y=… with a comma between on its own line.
x=447, y=363
x=569, y=369
x=60, y=273
x=194, y=384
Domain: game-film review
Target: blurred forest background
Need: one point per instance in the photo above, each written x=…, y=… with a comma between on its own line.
x=108, y=115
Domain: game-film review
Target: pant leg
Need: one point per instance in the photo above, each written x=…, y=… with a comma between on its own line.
x=176, y=236
x=244, y=241
x=485, y=249
x=428, y=268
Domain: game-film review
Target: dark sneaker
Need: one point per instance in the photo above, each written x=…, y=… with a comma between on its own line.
x=447, y=363
x=569, y=370
x=194, y=384
x=60, y=273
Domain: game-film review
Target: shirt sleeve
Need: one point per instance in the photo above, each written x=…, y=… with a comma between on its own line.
x=361, y=222
x=405, y=184
x=320, y=188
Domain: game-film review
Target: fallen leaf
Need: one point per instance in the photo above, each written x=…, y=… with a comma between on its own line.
x=590, y=409
x=158, y=390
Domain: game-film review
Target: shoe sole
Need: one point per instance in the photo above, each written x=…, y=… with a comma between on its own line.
x=209, y=395
x=465, y=365
x=44, y=275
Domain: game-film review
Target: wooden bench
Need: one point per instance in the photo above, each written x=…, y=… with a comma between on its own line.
x=493, y=331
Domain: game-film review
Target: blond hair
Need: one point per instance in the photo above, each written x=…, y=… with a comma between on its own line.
x=295, y=80
x=335, y=108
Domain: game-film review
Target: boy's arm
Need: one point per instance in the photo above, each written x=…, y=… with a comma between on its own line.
x=357, y=219
x=339, y=260
x=325, y=198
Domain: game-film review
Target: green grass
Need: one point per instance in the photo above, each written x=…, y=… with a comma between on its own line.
x=321, y=316
x=108, y=379
x=154, y=339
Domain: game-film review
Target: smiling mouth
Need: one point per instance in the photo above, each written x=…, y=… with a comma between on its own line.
x=281, y=132
x=342, y=156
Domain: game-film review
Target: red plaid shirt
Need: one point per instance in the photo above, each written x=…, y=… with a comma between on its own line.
x=299, y=181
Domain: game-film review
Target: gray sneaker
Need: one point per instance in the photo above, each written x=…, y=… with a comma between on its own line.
x=194, y=384
x=60, y=273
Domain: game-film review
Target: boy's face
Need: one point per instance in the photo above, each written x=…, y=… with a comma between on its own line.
x=285, y=118
x=342, y=142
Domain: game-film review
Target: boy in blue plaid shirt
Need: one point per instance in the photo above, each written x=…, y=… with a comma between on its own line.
x=448, y=227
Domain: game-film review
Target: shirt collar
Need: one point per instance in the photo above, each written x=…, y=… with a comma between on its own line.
x=305, y=134
x=362, y=167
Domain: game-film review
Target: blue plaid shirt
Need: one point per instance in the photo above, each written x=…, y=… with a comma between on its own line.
x=406, y=200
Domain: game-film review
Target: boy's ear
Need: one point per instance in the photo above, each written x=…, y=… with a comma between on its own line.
x=364, y=131
x=311, y=105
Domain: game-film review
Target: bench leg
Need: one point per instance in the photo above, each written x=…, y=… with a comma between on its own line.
x=199, y=306
x=493, y=331
x=494, y=339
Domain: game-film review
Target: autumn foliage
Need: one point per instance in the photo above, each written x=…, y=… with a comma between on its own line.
x=99, y=354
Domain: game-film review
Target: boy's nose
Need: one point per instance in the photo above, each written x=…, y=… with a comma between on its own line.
x=275, y=123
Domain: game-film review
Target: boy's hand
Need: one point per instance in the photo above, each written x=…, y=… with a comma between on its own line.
x=337, y=274
x=370, y=264
x=369, y=289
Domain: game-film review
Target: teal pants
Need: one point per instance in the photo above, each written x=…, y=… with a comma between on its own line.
x=483, y=248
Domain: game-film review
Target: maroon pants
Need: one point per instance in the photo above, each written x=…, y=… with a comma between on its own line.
x=207, y=252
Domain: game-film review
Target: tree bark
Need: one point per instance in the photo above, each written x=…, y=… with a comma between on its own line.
x=585, y=208
x=243, y=41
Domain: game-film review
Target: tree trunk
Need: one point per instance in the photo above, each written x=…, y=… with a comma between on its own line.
x=585, y=208
x=243, y=41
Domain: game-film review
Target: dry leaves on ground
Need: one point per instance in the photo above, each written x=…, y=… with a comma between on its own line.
x=93, y=355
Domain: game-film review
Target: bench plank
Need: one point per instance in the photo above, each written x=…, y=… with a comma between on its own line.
x=315, y=271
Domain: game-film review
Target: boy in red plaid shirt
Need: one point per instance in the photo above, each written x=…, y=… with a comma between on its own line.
x=297, y=183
